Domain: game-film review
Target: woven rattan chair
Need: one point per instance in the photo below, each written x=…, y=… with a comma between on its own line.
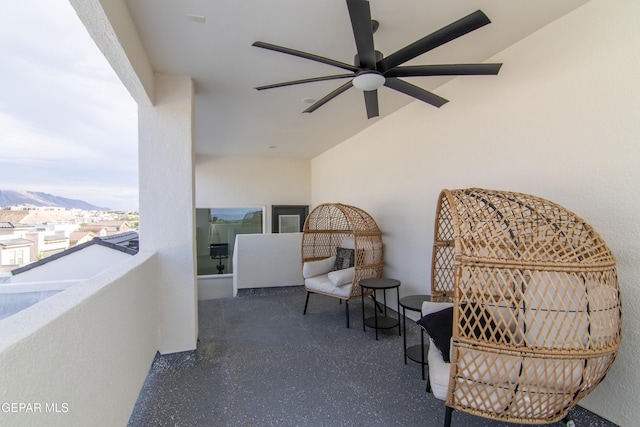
x=334, y=225
x=536, y=305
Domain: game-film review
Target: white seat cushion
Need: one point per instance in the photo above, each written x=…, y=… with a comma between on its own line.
x=555, y=311
x=438, y=372
x=477, y=367
x=317, y=268
x=429, y=307
x=438, y=368
x=557, y=374
x=324, y=285
x=477, y=370
x=342, y=277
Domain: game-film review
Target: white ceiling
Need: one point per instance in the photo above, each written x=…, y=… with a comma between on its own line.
x=234, y=119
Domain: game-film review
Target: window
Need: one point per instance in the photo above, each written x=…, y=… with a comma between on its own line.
x=288, y=223
x=15, y=257
x=288, y=218
x=217, y=227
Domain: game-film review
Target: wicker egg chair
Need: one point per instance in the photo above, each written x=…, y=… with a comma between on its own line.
x=536, y=305
x=333, y=225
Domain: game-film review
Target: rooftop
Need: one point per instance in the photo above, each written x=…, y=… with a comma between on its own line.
x=123, y=239
x=8, y=224
x=123, y=242
x=15, y=242
x=55, y=238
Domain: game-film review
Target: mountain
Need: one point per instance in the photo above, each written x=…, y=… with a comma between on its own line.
x=34, y=198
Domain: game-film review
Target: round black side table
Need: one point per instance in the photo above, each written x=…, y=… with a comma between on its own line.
x=382, y=322
x=417, y=353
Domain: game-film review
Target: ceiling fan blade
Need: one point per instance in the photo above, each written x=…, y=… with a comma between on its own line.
x=445, y=70
x=371, y=102
x=310, y=80
x=452, y=31
x=329, y=97
x=360, y=15
x=305, y=55
x=415, y=91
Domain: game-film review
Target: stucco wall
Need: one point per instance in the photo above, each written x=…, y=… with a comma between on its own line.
x=560, y=122
x=110, y=25
x=267, y=260
x=167, y=210
x=81, y=355
x=249, y=181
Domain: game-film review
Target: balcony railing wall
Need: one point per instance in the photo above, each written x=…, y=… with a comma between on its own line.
x=83, y=354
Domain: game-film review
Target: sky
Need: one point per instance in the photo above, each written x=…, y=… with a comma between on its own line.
x=68, y=126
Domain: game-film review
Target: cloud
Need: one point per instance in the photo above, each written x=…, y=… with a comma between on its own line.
x=66, y=121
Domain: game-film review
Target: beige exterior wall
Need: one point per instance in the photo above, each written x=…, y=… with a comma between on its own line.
x=9, y=256
x=560, y=122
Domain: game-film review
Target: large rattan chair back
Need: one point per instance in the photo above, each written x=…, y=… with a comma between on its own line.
x=537, y=312
x=326, y=228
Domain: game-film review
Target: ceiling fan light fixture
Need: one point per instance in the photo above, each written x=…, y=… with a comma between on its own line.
x=368, y=81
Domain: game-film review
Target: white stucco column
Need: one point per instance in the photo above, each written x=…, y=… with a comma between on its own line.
x=167, y=209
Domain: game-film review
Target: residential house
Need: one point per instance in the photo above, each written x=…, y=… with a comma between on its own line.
x=560, y=121
x=79, y=237
x=98, y=230
x=53, y=244
x=14, y=252
x=44, y=243
x=15, y=229
x=15, y=248
x=113, y=227
x=24, y=243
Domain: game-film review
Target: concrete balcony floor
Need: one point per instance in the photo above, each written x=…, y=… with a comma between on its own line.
x=260, y=362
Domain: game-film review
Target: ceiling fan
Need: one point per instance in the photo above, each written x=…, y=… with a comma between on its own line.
x=371, y=71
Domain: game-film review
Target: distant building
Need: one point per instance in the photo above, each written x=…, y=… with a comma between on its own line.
x=14, y=252
x=114, y=227
x=27, y=207
x=79, y=237
x=53, y=244
x=13, y=228
x=15, y=248
x=98, y=230
x=19, y=208
x=29, y=235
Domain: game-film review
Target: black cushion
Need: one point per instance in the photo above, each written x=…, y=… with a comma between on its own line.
x=439, y=326
x=344, y=259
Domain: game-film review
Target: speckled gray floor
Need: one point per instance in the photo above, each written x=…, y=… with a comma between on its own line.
x=260, y=362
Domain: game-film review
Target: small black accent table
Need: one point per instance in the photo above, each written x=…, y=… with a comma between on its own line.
x=382, y=322
x=418, y=352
